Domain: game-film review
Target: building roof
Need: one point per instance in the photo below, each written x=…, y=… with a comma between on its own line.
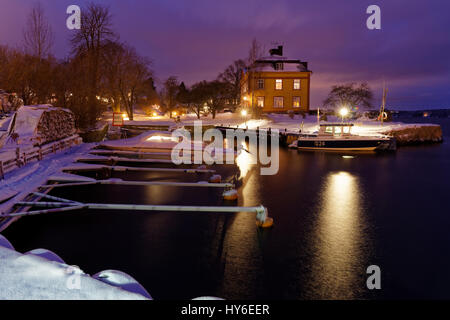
x=268, y=64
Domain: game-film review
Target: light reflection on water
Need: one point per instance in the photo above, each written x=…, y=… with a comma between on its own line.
x=242, y=253
x=338, y=239
x=245, y=161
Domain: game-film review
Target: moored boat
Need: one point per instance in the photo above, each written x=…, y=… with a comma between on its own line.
x=338, y=137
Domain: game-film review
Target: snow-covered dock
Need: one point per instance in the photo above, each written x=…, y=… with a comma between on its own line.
x=405, y=133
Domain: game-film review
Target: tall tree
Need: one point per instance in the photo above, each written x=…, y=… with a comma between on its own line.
x=216, y=94
x=38, y=35
x=256, y=51
x=194, y=99
x=349, y=95
x=133, y=73
x=169, y=94
x=88, y=42
x=233, y=76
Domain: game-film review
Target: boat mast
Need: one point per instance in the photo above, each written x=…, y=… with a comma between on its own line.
x=383, y=104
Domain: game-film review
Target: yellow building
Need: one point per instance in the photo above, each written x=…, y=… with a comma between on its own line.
x=276, y=84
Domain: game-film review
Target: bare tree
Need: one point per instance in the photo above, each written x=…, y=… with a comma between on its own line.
x=256, y=51
x=194, y=99
x=88, y=42
x=169, y=94
x=216, y=93
x=349, y=95
x=132, y=76
x=233, y=76
x=38, y=35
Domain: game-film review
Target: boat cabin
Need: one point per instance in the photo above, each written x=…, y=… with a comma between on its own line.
x=335, y=129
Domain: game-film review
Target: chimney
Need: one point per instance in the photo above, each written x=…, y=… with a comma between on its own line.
x=280, y=50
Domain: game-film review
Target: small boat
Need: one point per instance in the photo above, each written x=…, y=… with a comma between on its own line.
x=338, y=137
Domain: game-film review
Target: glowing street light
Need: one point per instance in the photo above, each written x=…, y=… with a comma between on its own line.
x=343, y=112
x=244, y=114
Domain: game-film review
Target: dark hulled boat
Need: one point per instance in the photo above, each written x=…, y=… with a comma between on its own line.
x=338, y=137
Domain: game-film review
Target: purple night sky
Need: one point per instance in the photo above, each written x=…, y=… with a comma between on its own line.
x=197, y=39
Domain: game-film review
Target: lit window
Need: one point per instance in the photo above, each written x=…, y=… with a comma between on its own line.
x=296, y=102
x=278, y=84
x=329, y=129
x=346, y=130
x=260, y=101
x=337, y=131
x=296, y=84
x=260, y=84
x=278, y=102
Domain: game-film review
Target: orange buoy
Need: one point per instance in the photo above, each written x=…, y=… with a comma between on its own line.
x=217, y=178
x=230, y=195
x=266, y=224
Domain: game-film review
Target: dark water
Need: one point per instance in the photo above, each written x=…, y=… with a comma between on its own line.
x=333, y=216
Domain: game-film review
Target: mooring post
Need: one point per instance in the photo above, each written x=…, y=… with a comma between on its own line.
x=261, y=214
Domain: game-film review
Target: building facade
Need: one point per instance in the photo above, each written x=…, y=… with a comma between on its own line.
x=276, y=84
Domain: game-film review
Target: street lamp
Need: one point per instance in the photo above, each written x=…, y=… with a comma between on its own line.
x=343, y=112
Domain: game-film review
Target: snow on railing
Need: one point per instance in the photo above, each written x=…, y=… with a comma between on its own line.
x=22, y=157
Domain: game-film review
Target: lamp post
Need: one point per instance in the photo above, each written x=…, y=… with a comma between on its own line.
x=244, y=114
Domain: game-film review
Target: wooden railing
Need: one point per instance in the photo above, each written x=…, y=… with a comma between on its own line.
x=22, y=157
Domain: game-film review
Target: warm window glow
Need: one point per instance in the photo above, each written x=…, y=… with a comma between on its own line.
x=260, y=102
x=296, y=102
x=278, y=84
x=278, y=102
x=296, y=84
